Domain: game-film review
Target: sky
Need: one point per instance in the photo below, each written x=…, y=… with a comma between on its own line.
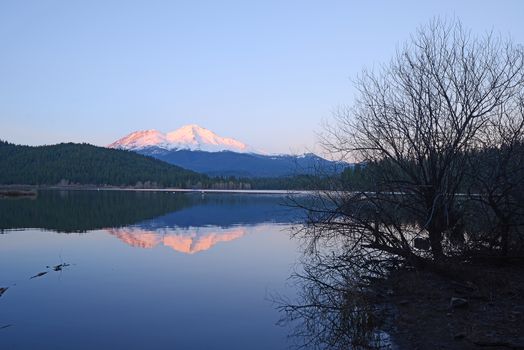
x=267, y=73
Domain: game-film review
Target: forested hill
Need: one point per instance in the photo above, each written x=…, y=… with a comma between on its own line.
x=70, y=163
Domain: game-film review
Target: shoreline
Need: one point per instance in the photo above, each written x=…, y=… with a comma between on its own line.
x=33, y=188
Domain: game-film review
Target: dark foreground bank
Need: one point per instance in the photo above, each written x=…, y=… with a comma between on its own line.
x=479, y=307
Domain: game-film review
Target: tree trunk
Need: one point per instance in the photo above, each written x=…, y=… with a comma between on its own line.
x=435, y=241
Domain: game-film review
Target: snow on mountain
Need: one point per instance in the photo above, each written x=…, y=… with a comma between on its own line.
x=141, y=139
x=189, y=137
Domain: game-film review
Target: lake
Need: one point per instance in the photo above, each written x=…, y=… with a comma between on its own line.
x=136, y=270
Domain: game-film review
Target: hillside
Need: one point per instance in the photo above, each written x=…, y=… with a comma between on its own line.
x=245, y=165
x=87, y=164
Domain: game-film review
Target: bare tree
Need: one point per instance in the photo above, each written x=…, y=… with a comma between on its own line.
x=414, y=123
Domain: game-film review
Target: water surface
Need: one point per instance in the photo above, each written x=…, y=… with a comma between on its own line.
x=146, y=270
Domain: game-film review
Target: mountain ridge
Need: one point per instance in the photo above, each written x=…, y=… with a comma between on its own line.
x=246, y=165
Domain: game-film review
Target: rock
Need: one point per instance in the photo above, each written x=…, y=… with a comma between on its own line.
x=421, y=243
x=456, y=303
x=459, y=336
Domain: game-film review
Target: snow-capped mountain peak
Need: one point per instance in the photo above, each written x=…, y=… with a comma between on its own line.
x=191, y=137
x=140, y=139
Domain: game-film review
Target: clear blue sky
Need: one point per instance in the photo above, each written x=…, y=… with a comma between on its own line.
x=265, y=72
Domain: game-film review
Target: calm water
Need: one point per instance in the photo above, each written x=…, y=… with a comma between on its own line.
x=146, y=270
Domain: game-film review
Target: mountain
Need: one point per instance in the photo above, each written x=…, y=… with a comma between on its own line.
x=87, y=164
x=228, y=163
x=189, y=137
x=198, y=149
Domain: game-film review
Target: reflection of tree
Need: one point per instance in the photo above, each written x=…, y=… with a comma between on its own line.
x=333, y=310
x=79, y=211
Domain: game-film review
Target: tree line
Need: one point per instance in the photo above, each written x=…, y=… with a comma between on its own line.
x=69, y=164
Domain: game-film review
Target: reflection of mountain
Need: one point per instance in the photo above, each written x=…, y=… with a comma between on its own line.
x=226, y=210
x=80, y=211
x=188, y=241
x=206, y=221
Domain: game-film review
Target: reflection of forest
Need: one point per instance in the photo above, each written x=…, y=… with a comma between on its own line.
x=80, y=211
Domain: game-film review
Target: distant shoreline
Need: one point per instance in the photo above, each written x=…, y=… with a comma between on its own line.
x=32, y=188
